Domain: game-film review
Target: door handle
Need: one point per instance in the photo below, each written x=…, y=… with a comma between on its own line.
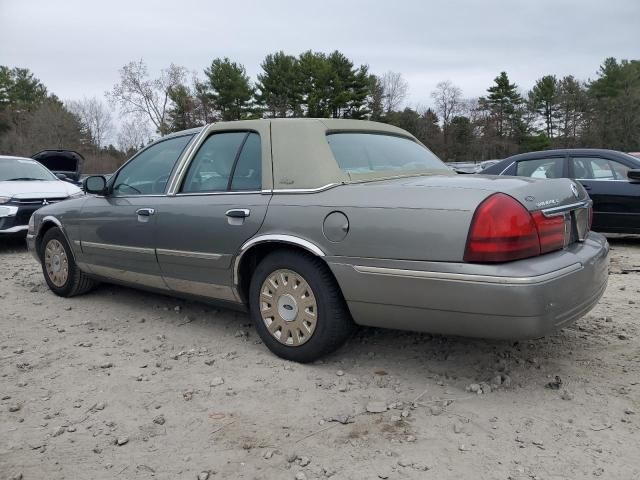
x=238, y=213
x=145, y=212
x=586, y=187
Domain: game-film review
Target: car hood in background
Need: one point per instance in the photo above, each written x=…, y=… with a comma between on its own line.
x=38, y=189
x=67, y=162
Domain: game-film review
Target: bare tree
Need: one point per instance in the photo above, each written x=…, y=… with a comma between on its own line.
x=448, y=103
x=448, y=100
x=140, y=95
x=395, y=90
x=95, y=118
x=134, y=133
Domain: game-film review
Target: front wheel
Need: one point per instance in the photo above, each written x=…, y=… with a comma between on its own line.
x=297, y=307
x=60, y=270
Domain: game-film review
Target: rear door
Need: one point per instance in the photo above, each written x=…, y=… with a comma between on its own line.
x=616, y=200
x=218, y=205
x=118, y=230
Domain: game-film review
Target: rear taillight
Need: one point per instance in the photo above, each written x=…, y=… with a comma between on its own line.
x=502, y=230
x=551, y=231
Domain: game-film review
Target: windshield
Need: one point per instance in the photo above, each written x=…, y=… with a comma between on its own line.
x=23, y=170
x=365, y=153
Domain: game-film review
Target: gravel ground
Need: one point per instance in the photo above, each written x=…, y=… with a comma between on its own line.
x=124, y=384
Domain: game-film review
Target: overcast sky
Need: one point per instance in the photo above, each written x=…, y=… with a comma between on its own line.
x=77, y=47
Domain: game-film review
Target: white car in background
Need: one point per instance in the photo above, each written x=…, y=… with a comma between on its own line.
x=25, y=186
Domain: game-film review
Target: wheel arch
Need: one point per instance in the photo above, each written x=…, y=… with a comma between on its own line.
x=255, y=249
x=46, y=224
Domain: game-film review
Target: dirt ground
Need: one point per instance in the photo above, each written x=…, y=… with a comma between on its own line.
x=124, y=384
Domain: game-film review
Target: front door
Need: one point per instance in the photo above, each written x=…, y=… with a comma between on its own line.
x=118, y=230
x=218, y=206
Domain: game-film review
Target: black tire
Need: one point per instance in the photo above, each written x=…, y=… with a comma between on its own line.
x=77, y=282
x=333, y=323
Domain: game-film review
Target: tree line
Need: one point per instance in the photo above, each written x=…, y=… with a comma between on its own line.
x=603, y=112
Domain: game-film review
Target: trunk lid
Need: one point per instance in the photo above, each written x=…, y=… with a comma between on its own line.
x=67, y=162
x=534, y=194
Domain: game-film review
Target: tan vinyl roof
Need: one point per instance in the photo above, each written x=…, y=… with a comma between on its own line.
x=302, y=158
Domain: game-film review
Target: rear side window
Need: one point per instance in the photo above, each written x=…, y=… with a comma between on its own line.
x=248, y=171
x=540, y=168
x=370, y=152
x=595, y=168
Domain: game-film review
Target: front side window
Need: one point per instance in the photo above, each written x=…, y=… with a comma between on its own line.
x=149, y=171
x=372, y=152
x=596, y=168
x=230, y=161
x=15, y=170
x=540, y=168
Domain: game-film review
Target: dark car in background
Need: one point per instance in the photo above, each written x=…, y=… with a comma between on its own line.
x=611, y=178
x=65, y=164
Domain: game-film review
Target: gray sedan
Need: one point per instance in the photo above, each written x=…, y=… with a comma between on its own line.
x=315, y=226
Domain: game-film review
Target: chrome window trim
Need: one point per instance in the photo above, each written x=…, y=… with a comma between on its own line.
x=188, y=155
x=291, y=239
x=601, y=180
x=118, y=248
x=463, y=277
x=302, y=190
x=507, y=168
x=225, y=192
x=188, y=254
x=551, y=212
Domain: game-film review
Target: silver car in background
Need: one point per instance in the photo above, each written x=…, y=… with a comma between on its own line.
x=316, y=225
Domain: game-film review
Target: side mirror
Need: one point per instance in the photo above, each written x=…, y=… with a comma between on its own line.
x=61, y=176
x=634, y=175
x=95, y=184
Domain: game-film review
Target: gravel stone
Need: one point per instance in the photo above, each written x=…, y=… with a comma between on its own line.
x=376, y=407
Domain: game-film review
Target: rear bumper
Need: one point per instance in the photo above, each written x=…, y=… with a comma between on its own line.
x=524, y=299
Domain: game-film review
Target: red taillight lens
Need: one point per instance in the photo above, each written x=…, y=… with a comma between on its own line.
x=551, y=231
x=501, y=230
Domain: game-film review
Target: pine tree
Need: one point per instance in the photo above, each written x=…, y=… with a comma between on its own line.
x=279, y=87
x=503, y=100
x=229, y=88
x=544, y=99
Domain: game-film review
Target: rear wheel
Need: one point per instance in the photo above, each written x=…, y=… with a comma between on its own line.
x=297, y=307
x=61, y=273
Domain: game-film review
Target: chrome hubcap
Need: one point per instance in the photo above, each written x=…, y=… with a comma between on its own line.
x=288, y=307
x=56, y=263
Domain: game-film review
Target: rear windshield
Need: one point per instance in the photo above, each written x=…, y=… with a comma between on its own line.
x=372, y=152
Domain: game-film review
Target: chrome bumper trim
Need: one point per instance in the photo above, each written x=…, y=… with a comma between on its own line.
x=16, y=229
x=550, y=212
x=464, y=277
